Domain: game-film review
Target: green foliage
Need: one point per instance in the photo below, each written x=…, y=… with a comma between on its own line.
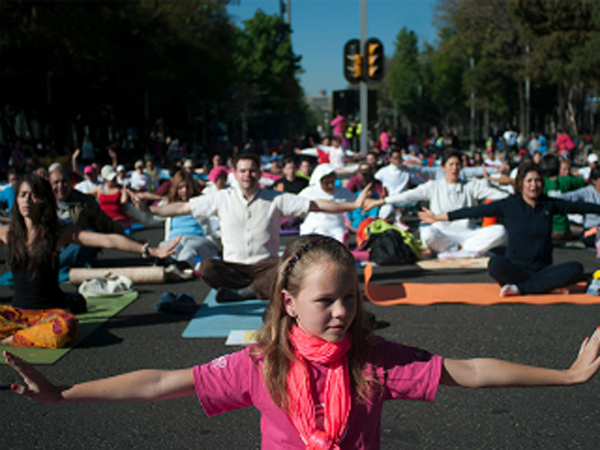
x=266, y=70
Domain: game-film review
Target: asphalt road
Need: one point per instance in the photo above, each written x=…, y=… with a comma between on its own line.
x=139, y=337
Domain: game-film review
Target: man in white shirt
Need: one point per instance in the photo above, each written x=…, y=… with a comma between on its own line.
x=395, y=178
x=250, y=220
x=140, y=180
x=446, y=195
x=90, y=180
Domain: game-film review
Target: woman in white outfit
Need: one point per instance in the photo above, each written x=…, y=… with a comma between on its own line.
x=322, y=187
x=448, y=194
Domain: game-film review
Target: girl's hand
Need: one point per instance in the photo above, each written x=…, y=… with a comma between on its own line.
x=588, y=360
x=371, y=203
x=36, y=387
x=427, y=216
x=138, y=202
x=363, y=196
x=165, y=251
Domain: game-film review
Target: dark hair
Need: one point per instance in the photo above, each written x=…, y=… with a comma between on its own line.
x=46, y=225
x=595, y=173
x=550, y=166
x=451, y=153
x=188, y=178
x=246, y=157
x=524, y=168
x=288, y=160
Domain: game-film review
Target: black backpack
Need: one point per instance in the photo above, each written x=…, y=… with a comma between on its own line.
x=389, y=248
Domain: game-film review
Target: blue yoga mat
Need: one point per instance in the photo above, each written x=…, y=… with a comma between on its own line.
x=217, y=319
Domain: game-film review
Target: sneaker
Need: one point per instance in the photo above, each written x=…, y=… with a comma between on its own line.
x=225, y=295
x=173, y=272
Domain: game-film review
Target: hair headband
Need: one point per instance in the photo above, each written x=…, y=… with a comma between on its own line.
x=294, y=259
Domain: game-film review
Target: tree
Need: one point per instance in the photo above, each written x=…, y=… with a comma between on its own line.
x=266, y=70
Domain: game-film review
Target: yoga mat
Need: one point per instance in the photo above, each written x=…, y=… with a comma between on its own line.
x=217, y=319
x=457, y=263
x=470, y=293
x=100, y=309
x=139, y=275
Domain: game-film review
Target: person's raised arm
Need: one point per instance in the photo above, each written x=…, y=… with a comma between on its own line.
x=425, y=215
x=332, y=207
x=483, y=372
x=4, y=234
x=143, y=385
x=168, y=210
x=116, y=241
x=74, y=162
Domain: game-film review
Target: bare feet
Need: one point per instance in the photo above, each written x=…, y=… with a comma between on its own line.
x=7, y=341
x=561, y=291
x=509, y=290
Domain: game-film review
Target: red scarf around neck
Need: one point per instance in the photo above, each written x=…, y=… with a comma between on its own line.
x=337, y=389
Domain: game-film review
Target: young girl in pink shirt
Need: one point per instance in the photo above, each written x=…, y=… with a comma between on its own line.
x=317, y=374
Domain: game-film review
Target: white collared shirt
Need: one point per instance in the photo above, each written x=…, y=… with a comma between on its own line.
x=249, y=228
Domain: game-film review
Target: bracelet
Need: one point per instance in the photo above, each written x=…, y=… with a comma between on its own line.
x=145, y=252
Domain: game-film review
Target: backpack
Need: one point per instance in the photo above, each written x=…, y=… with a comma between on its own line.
x=388, y=247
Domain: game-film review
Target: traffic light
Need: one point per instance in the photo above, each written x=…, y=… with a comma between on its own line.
x=353, y=61
x=375, y=59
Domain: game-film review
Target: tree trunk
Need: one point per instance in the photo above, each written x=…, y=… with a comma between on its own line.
x=522, y=108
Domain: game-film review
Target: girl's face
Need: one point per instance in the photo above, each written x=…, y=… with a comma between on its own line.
x=27, y=202
x=532, y=186
x=183, y=192
x=328, y=183
x=326, y=303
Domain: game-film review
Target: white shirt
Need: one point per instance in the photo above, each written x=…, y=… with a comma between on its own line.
x=140, y=181
x=446, y=197
x=85, y=186
x=393, y=178
x=249, y=228
x=326, y=224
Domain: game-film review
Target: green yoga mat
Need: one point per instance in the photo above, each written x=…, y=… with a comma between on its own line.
x=100, y=309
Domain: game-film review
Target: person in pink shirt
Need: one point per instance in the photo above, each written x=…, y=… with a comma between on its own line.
x=317, y=374
x=340, y=124
x=384, y=140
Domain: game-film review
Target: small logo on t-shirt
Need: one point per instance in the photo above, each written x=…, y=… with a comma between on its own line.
x=220, y=362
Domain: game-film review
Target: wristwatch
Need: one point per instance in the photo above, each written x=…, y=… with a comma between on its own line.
x=145, y=252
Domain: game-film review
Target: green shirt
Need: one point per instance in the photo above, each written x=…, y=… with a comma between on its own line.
x=552, y=188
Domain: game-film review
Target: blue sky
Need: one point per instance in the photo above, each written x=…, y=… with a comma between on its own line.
x=322, y=27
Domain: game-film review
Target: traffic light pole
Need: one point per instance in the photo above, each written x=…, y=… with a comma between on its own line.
x=364, y=93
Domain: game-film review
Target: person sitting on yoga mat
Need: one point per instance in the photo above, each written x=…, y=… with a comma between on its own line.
x=194, y=240
x=250, y=220
x=527, y=266
x=318, y=375
x=445, y=195
x=37, y=316
x=81, y=210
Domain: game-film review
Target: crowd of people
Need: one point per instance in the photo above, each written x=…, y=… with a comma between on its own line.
x=229, y=214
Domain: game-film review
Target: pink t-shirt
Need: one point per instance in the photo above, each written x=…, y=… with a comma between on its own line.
x=234, y=381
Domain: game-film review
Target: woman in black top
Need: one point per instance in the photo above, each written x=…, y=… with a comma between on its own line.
x=527, y=266
x=37, y=315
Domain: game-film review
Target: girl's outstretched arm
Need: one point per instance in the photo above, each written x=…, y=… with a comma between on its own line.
x=481, y=372
x=144, y=385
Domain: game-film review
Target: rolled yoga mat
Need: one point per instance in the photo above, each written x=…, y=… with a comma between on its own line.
x=139, y=275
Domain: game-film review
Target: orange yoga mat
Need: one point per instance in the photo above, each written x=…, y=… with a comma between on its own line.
x=471, y=293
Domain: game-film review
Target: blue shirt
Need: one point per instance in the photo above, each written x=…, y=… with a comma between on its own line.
x=185, y=225
x=8, y=196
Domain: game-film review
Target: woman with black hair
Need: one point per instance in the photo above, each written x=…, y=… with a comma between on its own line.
x=527, y=266
x=37, y=316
